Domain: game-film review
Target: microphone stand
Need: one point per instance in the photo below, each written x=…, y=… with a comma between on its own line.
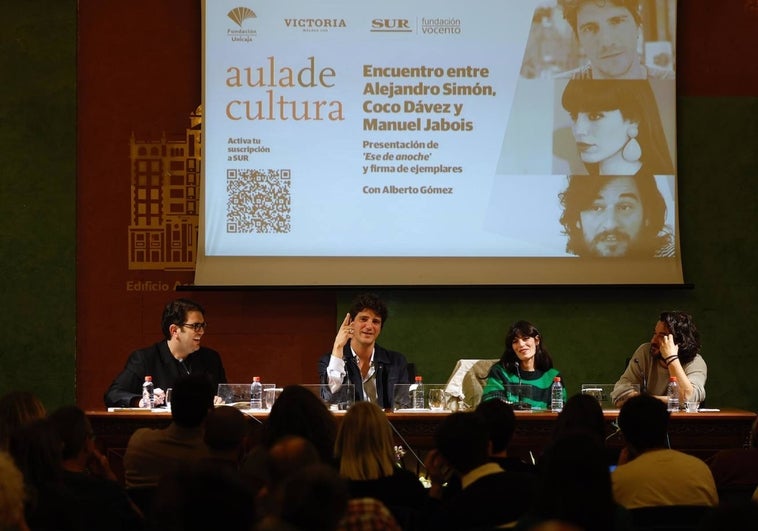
x=520, y=405
x=643, y=389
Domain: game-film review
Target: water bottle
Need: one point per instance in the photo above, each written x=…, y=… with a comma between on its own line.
x=148, y=397
x=256, y=393
x=556, y=395
x=418, y=394
x=672, y=391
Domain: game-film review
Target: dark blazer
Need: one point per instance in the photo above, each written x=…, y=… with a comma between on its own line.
x=391, y=368
x=157, y=361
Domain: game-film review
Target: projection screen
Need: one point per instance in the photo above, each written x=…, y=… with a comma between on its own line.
x=430, y=142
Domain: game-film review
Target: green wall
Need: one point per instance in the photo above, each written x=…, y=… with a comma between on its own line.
x=38, y=198
x=589, y=331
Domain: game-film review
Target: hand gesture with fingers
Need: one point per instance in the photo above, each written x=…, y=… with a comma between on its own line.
x=344, y=334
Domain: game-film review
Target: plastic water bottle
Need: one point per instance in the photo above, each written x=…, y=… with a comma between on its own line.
x=148, y=396
x=418, y=394
x=556, y=395
x=672, y=391
x=256, y=393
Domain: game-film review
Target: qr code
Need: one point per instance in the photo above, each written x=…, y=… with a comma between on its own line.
x=258, y=201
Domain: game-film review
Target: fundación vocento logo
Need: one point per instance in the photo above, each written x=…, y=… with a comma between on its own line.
x=441, y=26
x=239, y=15
x=315, y=24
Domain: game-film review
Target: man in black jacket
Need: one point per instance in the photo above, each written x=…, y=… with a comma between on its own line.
x=179, y=354
x=357, y=359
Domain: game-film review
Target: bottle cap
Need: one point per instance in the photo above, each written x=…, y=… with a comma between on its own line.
x=557, y=379
x=418, y=378
x=148, y=378
x=672, y=378
x=256, y=378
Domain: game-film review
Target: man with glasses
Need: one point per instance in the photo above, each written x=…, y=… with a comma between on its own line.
x=179, y=354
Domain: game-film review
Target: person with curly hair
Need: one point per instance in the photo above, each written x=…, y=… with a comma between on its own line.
x=674, y=350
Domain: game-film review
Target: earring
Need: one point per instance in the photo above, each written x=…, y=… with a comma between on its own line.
x=632, y=150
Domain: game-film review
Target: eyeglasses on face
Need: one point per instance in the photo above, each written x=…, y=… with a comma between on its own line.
x=195, y=326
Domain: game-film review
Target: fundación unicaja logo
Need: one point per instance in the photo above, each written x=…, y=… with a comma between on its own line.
x=239, y=15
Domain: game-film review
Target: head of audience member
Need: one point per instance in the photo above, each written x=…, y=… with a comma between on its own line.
x=612, y=217
x=12, y=495
x=365, y=445
x=686, y=335
x=226, y=433
x=524, y=346
x=200, y=496
x=298, y=411
x=75, y=431
x=285, y=457
x=16, y=409
x=315, y=498
x=577, y=462
x=462, y=439
x=36, y=450
x=368, y=514
x=617, y=127
x=192, y=400
x=501, y=423
x=607, y=31
x=643, y=420
x=581, y=414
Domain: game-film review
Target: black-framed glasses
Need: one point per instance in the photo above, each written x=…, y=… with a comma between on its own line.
x=195, y=326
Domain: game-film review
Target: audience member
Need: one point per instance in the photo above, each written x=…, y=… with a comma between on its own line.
x=489, y=496
x=18, y=408
x=525, y=362
x=581, y=414
x=151, y=453
x=202, y=496
x=735, y=471
x=366, y=455
x=12, y=495
x=357, y=359
x=226, y=434
x=297, y=411
x=88, y=476
x=368, y=514
x=501, y=424
x=178, y=354
x=656, y=475
x=315, y=498
x=36, y=450
x=575, y=486
x=674, y=350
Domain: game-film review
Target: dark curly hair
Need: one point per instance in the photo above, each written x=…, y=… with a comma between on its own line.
x=175, y=313
x=369, y=301
x=571, y=7
x=582, y=191
x=685, y=334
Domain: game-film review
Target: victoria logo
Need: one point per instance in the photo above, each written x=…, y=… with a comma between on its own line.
x=240, y=14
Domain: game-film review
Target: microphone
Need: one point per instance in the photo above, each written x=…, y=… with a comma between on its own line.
x=521, y=404
x=643, y=389
x=518, y=371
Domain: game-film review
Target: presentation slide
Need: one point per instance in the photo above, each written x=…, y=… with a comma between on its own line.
x=436, y=142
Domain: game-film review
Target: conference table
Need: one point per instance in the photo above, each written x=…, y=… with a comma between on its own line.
x=700, y=434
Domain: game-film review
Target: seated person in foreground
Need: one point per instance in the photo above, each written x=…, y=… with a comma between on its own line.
x=524, y=362
x=152, y=453
x=357, y=359
x=651, y=474
x=674, y=350
x=488, y=495
x=366, y=454
x=179, y=354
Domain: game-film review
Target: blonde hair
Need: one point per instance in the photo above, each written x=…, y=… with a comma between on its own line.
x=11, y=493
x=364, y=446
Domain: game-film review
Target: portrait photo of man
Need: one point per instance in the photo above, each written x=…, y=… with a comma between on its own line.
x=616, y=216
